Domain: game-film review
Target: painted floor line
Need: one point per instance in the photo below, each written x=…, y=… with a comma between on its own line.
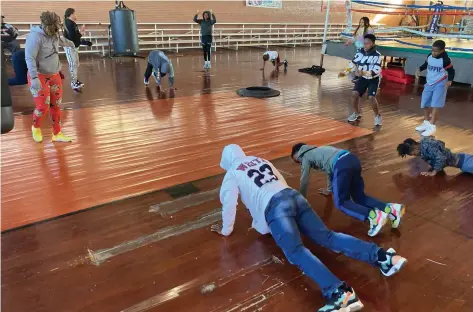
x=171, y=207
x=100, y=256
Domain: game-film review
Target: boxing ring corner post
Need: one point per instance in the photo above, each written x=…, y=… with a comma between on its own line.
x=324, y=40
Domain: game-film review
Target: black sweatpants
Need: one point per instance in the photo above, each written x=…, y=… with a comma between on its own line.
x=206, y=46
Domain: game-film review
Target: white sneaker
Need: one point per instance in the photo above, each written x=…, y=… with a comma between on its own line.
x=378, y=121
x=209, y=65
x=423, y=126
x=146, y=81
x=354, y=117
x=430, y=131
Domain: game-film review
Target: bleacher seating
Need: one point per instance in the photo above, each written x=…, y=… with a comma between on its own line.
x=178, y=36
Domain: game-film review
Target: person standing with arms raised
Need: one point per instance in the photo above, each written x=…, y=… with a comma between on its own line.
x=206, y=24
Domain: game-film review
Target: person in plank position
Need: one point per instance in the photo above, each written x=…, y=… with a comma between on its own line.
x=345, y=181
x=159, y=66
x=273, y=56
x=285, y=213
x=435, y=153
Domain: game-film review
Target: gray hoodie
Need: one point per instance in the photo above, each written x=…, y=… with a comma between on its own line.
x=41, y=52
x=321, y=158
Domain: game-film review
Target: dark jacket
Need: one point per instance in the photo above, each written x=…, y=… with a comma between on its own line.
x=71, y=32
x=205, y=25
x=435, y=153
x=11, y=31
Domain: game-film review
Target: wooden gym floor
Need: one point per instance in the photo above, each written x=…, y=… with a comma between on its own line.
x=119, y=220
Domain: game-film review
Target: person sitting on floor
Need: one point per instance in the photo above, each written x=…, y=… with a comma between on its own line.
x=273, y=56
x=344, y=179
x=285, y=213
x=435, y=153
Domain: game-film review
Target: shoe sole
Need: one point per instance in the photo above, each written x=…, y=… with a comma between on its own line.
x=356, y=306
x=396, y=268
x=395, y=223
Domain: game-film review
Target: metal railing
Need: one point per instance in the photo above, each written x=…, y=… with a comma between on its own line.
x=177, y=36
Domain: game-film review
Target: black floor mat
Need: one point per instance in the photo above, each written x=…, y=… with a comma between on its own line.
x=314, y=70
x=182, y=190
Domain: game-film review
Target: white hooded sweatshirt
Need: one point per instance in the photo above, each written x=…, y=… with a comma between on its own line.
x=256, y=179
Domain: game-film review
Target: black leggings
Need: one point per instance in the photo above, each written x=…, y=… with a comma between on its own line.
x=206, y=46
x=149, y=70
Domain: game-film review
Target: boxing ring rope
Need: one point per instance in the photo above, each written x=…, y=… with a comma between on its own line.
x=405, y=31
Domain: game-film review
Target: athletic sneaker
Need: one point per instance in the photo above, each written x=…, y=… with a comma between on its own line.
x=209, y=65
x=75, y=85
x=60, y=137
x=354, y=117
x=396, y=213
x=387, y=267
x=423, y=126
x=37, y=134
x=430, y=131
x=146, y=81
x=285, y=64
x=343, y=300
x=378, y=121
x=377, y=220
x=80, y=83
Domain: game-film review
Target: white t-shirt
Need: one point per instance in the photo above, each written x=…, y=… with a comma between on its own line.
x=257, y=180
x=273, y=55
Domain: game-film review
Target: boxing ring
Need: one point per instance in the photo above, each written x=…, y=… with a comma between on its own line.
x=410, y=43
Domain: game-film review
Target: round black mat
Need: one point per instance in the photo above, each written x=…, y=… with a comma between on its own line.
x=258, y=92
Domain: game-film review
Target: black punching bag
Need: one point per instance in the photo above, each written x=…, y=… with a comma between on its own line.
x=7, y=110
x=124, y=31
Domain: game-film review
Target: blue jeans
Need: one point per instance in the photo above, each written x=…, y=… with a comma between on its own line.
x=465, y=162
x=288, y=215
x=349, y=189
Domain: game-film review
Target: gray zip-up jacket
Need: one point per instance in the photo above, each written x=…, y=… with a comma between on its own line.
x=205, y=25
x=42, y=52
x=319, y=158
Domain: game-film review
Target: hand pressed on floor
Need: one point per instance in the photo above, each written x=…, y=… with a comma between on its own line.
x=325, y=192
x=217, y=228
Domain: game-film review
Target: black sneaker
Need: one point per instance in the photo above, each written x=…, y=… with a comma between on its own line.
x=80, y=83
x=75, y=85
x=387, y=267
x=285, y=64
x=343, y=300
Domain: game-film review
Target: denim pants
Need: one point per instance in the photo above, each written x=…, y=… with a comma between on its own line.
x=349, y=189
x=465, y=162
x=288, y=215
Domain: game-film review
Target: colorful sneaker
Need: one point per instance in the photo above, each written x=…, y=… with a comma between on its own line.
x=37, y=134
x=393, y=263
x=377, y=219
x=146, y=81
x=423, y=126
x=354, y=117
x=60, y=137
x=430, y=131
x=378, y=121
x=395, y=214
x=343, y=301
